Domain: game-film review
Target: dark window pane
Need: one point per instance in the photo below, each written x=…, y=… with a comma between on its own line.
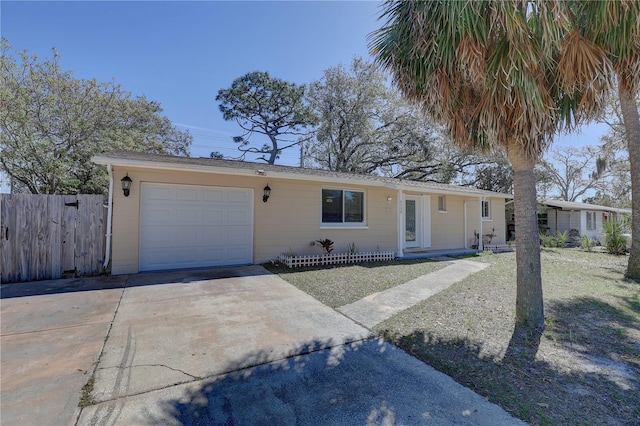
x=485, y=209
x=331, y=205
x=353, y=206
x=410, y=221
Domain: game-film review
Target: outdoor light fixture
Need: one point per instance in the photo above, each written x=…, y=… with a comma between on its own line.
x=126, y=184
x=267, y=193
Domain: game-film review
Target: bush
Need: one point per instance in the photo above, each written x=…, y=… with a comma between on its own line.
x=327, y=245
x=615, y=241
x=547, y=240
x=587, y=243
x=562, y=238
x=558, y=240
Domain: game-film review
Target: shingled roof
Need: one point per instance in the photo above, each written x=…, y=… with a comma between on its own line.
x=171, y=162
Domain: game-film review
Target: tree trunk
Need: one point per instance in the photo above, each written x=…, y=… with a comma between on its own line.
x=632, y=130
x=529, y=302
x=273, y=153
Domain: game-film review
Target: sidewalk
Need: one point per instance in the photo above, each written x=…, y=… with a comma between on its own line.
x=380, y=306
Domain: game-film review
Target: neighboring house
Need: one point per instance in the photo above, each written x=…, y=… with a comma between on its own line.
x=197, y=212
x=587, y=219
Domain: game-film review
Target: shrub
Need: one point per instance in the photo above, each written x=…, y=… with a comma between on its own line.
x=615, y=241
x=587, y=243
x=562, y=238
x=558, y=240
x=327, y=245
x=352, y=248
x=547, y=240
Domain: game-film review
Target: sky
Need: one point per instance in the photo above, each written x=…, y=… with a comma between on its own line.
x=180, y=53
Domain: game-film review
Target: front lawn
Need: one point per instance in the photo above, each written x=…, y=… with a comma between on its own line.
x=340, y=285
x=585, y=368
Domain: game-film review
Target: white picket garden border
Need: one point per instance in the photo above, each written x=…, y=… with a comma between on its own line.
x=334, y=258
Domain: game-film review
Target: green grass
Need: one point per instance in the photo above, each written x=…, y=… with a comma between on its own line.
x=340, y=285
x=87, y=398
x=583, y=370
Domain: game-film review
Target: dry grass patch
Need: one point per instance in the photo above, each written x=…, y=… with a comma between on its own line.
x=585, y=368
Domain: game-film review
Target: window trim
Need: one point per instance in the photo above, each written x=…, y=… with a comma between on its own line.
x=345, y=225
x=594, y=225
x=444, y=204
x=488, y=204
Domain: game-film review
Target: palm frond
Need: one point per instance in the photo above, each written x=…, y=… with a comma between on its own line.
x=495, y=71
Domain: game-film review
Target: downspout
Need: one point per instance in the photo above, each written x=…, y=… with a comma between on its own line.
x=480, y=242
x=107, y=255
x=400, y=223
x=465, y=224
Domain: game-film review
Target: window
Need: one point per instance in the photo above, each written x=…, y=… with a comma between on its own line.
x=442, y=203
x=486, y=210
x=591, y=221
x=342, y=206
x=543, y=220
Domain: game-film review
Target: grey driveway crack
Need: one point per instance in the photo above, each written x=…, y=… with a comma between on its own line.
x=152, y=365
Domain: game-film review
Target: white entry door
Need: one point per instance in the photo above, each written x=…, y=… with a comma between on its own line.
x=417, y=221
x=188, y=226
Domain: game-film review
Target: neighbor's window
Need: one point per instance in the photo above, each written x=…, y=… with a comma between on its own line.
x=342, y=206
x=442, y=203
x=591, y=221
x=486, y=210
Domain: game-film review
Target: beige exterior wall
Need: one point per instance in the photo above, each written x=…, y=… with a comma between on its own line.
x=474, y=223
x=291, y=219
x=496, y=224
x=447, y=226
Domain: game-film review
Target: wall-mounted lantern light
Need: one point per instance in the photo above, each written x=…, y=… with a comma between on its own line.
x=267, y=193
x=126, y=184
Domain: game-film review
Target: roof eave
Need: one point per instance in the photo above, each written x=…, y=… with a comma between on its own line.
x=258, y=172
x=589, y=207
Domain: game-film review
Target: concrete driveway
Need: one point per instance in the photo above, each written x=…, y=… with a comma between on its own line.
x=220, y=346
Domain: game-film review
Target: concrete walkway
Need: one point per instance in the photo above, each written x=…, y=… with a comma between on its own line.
x=380, y=306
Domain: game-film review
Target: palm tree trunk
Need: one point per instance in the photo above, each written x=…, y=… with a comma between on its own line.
x=529, y=302
x=632, y=130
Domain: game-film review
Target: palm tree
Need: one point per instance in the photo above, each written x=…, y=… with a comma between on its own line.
x=615, y=27
x=492, y=71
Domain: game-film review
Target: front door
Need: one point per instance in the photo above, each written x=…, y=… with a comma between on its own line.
x=412, y=221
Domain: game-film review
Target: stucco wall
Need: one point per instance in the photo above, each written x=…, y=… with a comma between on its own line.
x=291, y=219
x=494, y=224
x=447, y=228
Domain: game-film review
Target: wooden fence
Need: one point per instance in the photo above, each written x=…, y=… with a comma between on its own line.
x=51, y=236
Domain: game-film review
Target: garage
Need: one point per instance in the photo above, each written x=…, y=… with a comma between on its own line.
x=189, y=226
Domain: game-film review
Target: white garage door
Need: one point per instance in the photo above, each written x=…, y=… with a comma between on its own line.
x=186, y=226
